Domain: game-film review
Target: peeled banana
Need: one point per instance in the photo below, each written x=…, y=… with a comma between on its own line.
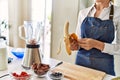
x=66, y=38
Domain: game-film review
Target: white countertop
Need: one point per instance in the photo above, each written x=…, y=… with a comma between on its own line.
x=16, y=66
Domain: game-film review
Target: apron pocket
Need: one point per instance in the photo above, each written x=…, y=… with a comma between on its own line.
x=103, y=64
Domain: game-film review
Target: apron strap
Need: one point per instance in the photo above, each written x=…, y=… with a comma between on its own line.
x=111, y=12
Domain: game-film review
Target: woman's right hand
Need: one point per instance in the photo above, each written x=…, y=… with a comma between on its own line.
x=74, y=45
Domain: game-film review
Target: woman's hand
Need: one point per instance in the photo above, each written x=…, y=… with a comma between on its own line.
x=88, y=43
x=74, y=44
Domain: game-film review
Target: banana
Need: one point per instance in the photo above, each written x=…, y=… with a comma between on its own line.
x=66, y=38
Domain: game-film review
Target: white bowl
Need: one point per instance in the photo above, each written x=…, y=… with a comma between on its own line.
x=55, y=75
x=20, y=75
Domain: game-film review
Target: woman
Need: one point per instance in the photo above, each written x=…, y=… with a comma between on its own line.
x=96, y=30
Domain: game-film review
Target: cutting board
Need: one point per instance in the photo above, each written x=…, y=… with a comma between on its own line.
x=75, y=72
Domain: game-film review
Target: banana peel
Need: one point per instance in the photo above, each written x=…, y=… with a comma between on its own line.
x=67, y=37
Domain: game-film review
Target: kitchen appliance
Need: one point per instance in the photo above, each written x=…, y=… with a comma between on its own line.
x=33, y=33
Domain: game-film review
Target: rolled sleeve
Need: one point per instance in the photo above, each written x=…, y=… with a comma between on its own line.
x=107, y=48
x=112, y=49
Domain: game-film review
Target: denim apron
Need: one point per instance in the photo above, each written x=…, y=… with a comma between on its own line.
x=102, y=30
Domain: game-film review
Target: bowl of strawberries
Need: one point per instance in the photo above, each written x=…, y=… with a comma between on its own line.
x=20, y=75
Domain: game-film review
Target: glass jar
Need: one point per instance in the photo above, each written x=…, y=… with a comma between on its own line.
x=3, y=54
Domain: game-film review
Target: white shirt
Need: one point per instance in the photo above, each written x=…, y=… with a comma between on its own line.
x=113, y=48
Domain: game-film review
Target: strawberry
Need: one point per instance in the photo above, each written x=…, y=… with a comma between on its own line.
x=15, y=74
x=23, y=73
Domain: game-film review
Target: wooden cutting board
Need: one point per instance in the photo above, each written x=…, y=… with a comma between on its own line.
x=75, y=72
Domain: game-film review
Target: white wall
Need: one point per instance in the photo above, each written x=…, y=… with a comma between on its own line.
x=117, y=65
x=85, y=3
x=117, y=57
x=63, y=10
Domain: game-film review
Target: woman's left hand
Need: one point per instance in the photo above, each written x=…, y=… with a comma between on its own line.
x=88, y=43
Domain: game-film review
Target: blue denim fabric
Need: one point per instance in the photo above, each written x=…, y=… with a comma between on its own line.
x=102, y=30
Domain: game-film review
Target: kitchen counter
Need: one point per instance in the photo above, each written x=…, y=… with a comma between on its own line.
x=15, y=65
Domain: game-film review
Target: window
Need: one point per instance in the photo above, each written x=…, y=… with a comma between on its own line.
x=3, y=9
x=3, y=17
x=41, y=11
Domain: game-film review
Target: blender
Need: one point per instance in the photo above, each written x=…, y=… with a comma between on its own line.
x=33, y=31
